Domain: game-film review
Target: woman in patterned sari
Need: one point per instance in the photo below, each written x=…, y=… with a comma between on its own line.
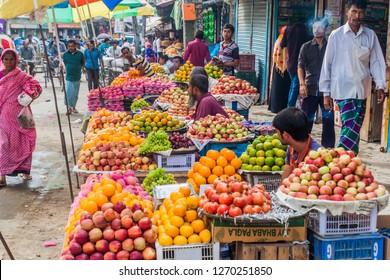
x=16, y=144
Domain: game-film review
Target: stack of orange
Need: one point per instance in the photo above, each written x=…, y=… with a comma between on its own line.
x=212, y=166
x=178, y=222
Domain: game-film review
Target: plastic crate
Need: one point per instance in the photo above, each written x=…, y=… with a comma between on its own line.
x=247, y=62
x=182, y=162
x=237, y=148
x=351, y=247
x=348, y=223
x=270, y=181
x=209, y=251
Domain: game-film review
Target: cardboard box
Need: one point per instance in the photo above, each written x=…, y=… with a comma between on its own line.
x=227, y=232
x=383, y=221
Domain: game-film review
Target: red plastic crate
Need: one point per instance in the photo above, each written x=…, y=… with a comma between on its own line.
x=247, y=62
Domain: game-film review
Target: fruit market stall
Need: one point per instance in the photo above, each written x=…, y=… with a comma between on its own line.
x=235, y=93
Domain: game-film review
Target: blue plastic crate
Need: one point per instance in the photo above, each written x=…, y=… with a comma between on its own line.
x=350, y=247
x=237, y=148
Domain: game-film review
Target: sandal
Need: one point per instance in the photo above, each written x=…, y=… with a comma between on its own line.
x=25, y=177
x=74, y=110
x=69, y=112
x=3, y=182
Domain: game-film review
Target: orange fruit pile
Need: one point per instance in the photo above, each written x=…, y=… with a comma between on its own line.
x=212, y=166
x=178, y=222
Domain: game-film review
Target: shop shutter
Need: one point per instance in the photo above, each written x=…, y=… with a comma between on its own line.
x=260, y=42
x=244, y=25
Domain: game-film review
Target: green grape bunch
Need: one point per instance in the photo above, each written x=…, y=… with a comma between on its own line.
x=157, y=177
x=155, y=142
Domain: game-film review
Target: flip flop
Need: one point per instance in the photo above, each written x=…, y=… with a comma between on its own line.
x=25, y=177
x=3, y=184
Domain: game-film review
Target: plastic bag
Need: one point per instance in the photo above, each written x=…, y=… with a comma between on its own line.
x=25, y=118
x=24, y=99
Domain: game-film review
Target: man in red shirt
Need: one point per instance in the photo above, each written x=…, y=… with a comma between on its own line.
x=197, y=51
x=207, y=105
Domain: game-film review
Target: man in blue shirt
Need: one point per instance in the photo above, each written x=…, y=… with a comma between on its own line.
x=93, y=57
x=104, y=46
x=292, y=126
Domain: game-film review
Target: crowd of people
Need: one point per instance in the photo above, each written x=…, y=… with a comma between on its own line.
x=309, y=73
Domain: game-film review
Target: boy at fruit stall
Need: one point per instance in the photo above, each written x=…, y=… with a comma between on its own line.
x=292, y=126
x=138, y=62
x=206, y=104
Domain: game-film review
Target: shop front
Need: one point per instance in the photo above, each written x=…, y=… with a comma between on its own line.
x=252, y=36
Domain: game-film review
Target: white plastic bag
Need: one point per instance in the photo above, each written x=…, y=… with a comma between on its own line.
x=25, y=118
x=24, y=99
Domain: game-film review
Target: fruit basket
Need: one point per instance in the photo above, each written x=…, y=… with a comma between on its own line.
x=351, y=247
x=199, y=251
x=348, y=223
x=270, y=180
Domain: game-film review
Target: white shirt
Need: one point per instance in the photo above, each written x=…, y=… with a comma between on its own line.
x=349, y=62
x=158, y=45
x=114, y=52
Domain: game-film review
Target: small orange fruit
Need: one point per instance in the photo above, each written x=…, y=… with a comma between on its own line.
x=190, y=216
x=180, y=240
x=204, y=171
x=228, y=154
x=199, y=179
x=179, y=210
x=205, y=235
x=221, y=161
x=211, y=178
x=218, y=170
x=193, y=201
x=171, y=230
x=176, y=221
x=229, y=170
x=186, y=191
x=194, y=238
x=165, y=240
x=213, y=154
x=175, y=196
x=198, y=225
x=196, y=166
x=108, y=189
x=190, y=173
x=186, y=231
x=236, y=163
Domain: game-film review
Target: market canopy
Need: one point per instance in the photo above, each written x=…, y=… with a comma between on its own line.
x=13, y=8
x=146, y=10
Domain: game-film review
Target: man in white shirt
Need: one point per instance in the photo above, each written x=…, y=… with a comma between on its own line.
x=352, y=57
x=158, y=47
x=114, y=51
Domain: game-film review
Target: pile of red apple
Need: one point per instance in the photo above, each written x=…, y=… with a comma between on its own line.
x=112, y=95
x=232, y=198
x=233, y=114
x=233, y=85
x=114, y=156
x=114, y=233
x=217, y=128
x=334, y=174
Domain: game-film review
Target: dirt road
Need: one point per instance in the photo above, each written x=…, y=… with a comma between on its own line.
x=35, y=212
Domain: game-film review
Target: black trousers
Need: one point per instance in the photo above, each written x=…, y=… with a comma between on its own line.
x=93, y=78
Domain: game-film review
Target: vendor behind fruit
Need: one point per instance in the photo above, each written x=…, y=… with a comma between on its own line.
x=292, y=126
x=228, y=54
x=206, y=104
x=138, y=62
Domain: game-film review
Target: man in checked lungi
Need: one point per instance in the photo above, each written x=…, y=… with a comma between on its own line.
x=352, y=58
